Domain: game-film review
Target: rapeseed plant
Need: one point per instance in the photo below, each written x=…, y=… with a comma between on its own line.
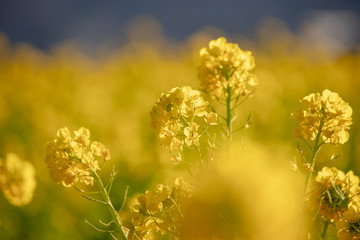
x=161, y=210
x=184, y=119
x=326, y=118
x=73, y=160
x=333, y=192
x=224, y=74
x=176, y=117
x=326, y=115
x=348, y=225
x=17, y=180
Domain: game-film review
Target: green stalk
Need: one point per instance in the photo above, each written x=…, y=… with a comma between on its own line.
x=323, y=234
x=315, y=150
x=105, y=196
x=229, y=113
x=228, y=121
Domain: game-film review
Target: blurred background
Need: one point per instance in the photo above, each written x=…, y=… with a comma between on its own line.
x=103, y=64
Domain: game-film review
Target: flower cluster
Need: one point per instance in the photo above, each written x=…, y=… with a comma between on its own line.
x=176, y=116
x=325, y=112
x=348, y=226
x=335, y=191
x=17, y=180
x=161, y=209
x=224, y=68
x=72, y=158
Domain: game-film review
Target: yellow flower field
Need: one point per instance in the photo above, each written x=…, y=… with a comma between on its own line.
x=214, y=137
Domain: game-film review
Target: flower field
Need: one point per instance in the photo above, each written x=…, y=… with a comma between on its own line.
x=214, y=137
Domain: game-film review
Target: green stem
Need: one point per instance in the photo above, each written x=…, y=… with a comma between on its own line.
x=323, y=234
x=105, y=196
x=228, y=121
x=315, y=150
x=229, y=113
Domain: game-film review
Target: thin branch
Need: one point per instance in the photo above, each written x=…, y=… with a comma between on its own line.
x=111, y=180
x=318, y=209
x=96, y=228
x=95, y=200
x=125, y=197
x=306, y=143
x=106, y=224
x=102, y=230
x=235, y=116
x=242, y=101
x=85, y=192
x=112, y=235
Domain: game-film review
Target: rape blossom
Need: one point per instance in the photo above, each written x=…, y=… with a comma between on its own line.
x=334, y=191
x=225, y=68
x=17, y=180
x=71, y=159
x=160, y=210
x=176, y=117
x=327, y=113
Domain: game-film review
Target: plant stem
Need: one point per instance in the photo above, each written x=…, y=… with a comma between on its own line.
x=323, y=234
x=315, y=150
x=228, y=121
x=105, y=196
x=228, y=113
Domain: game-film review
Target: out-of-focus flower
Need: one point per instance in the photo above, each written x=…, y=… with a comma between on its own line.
x=334, y=190
x=17, y=180
x=216, y=211
x=99, y=150
x=211, y=118
x=224, y=65
x=325, y=112
x=176, y=117
x=160, y=210
x=348, y=226
x=191, y=135
x=71, y=159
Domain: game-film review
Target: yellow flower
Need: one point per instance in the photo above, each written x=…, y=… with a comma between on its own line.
x=162, y=192
x=174, y=117
x=334, y=190
x=71, y=159
x=224, y=65
x=327, y=113
x=211, y=118
x=170, y=140
x=193, y=104
x=349, y=225
x=98, y=149
x=17, y=180
x=82, y=136
x=328, y=177
x=191, y=135
x=175, y=105
x=64, y=135
x=160, y=210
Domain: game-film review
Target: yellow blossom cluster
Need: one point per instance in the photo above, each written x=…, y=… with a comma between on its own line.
x=71, y=159
x=334, y=190
x=224, y=69
x=348, y=226
x=160, y=210
x=176, y=117
x=17, y=180
x=325, y=112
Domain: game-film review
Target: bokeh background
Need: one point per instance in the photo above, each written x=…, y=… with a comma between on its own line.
x=103, y=64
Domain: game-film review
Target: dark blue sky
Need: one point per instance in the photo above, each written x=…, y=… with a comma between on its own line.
x=46, y=22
